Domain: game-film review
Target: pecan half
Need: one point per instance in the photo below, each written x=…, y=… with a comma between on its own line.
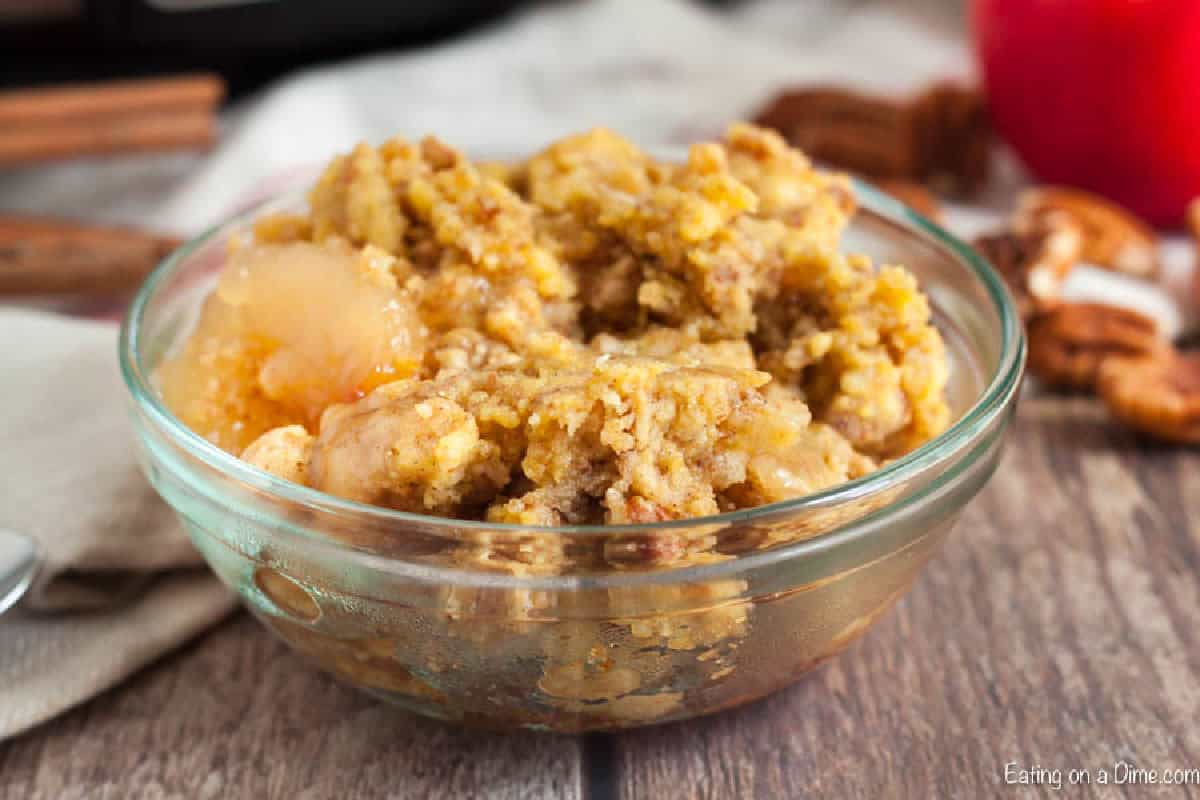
x=1068, y=344
x=941, y=135
x=915, y=196
x=863, y=133
x=1112, y=237
x=954, y=134
x=1034, y=260
x=1157, y=394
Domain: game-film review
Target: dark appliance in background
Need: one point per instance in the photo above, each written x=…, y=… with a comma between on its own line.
x=247, y=41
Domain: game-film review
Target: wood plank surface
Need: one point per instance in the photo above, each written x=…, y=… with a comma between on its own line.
x=1059, y=627
x=238, y=715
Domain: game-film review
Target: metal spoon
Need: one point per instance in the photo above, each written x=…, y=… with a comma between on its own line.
x=18, y=564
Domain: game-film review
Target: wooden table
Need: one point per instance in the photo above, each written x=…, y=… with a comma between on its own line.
x=1059, y=627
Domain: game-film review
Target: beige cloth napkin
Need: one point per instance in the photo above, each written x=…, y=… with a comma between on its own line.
x=120, y=584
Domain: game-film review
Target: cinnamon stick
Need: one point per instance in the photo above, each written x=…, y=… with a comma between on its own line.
x=117, y=98
x=105, y=135
x=41, y=256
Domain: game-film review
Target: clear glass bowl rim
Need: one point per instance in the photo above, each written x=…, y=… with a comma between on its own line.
x=960, y=436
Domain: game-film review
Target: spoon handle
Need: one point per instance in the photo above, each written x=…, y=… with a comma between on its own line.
x=19, y=559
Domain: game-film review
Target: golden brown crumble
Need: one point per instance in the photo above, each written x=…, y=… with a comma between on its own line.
x=591, y=336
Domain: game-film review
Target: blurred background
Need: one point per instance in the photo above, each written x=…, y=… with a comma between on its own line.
x=302, y=79
x=168, y=115
x=251, y=41
x=246, y=41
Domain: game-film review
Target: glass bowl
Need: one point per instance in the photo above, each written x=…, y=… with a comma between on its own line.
x=454, y=620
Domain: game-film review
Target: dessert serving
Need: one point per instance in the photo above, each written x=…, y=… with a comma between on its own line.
x=592, y=336
x=587, y=441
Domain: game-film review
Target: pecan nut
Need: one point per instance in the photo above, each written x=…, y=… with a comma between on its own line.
x=1034, y=261
x=1112, y=237
x=1069, y=344
x=954, y=134
x=1157, y=394
x=865, y=134
x=942, y=135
